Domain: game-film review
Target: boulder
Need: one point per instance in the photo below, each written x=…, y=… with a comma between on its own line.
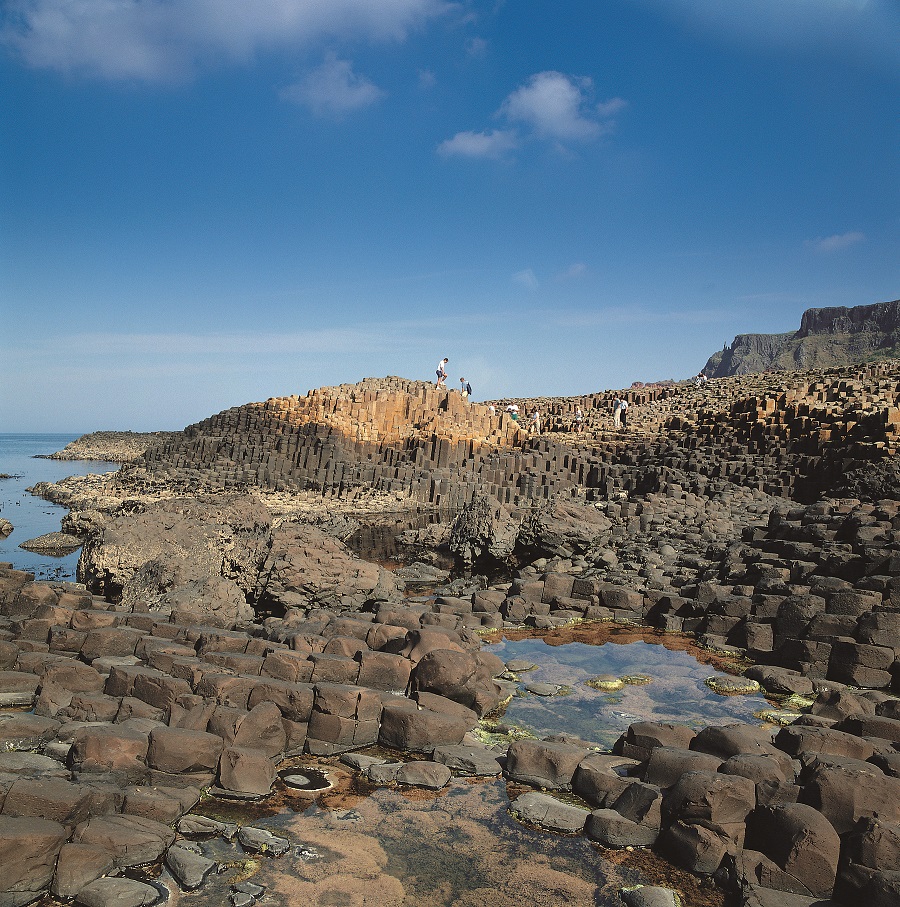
x=801, y=841
x=544, y=764
x=181, y=750
x=406, y=726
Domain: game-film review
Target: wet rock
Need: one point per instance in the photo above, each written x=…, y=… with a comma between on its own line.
x=200, y=826
x=548, y=812
x=258, y=840
x=56, y=544
x=612, y=829
x=188, y=865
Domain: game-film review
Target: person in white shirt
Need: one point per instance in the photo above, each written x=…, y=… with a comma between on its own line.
x=442, y=372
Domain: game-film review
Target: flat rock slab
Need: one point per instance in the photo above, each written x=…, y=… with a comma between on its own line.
x=52, y=543
x=258, y=840
x=468, y=760
x=544, y=689
x=430, y=775
x=548, y=812
x=117, y=892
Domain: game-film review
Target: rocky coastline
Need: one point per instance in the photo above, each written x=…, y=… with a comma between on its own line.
x=111, y=446
x=222, y=630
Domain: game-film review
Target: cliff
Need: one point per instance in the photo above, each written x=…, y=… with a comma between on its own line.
x=828, y=338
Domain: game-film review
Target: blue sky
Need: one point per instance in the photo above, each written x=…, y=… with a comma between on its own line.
x=210, y=202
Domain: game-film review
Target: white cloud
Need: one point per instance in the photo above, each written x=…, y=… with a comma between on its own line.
x=556, y=107
x=526, y=279
x=492, y=144
x=333, y=89
x=551, y=106
x=160, y=40
x=837, y=242
x=427, y=79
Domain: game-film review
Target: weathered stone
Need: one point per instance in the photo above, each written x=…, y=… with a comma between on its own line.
x=543, y=764
x=548, y=812
x=28, y=851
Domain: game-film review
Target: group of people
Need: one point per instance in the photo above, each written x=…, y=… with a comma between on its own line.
x=465, y=389
x=620, y=413
x=620, y=405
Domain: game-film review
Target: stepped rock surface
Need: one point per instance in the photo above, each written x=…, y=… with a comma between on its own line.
x=222, y=626
x=827, y=338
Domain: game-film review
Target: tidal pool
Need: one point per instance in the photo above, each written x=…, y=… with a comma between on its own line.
x=409, y=848
x=676, y=691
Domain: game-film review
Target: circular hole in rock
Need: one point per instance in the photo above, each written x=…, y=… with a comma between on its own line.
x=313, y=779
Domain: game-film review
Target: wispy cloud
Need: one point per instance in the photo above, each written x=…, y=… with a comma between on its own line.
x=333, y=89
x=527, y=279
x=550, y=106
x=476, y=47
x=158, y=40
x=862, y=27
x=575, y=270
x=836, y=243
x=492, y=144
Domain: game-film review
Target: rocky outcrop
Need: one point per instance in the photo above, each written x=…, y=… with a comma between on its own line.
x=111, y=446
x=827, y=338
x=199, y=554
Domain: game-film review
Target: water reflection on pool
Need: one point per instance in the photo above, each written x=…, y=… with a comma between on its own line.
x=676, y=691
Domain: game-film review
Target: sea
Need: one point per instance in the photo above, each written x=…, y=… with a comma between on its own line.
x=31, y=516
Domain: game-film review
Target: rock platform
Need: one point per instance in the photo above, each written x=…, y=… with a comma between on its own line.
x=214, y=640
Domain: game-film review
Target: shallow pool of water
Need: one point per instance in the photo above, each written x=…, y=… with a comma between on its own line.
x=459, y=847
x=676, y=691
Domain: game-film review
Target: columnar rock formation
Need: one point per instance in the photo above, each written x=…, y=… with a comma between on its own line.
x=793, y=435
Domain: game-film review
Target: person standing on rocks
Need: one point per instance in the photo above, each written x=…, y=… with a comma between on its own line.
x=617, y=414
x=535, y=425
x=441, y=372
x=465, y=389
x=579, y=419
x=623, y=414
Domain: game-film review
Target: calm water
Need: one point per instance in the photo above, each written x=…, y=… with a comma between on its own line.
x=677, y=691
x=30, y=515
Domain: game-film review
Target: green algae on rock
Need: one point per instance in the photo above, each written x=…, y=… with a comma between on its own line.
x=726, y=685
